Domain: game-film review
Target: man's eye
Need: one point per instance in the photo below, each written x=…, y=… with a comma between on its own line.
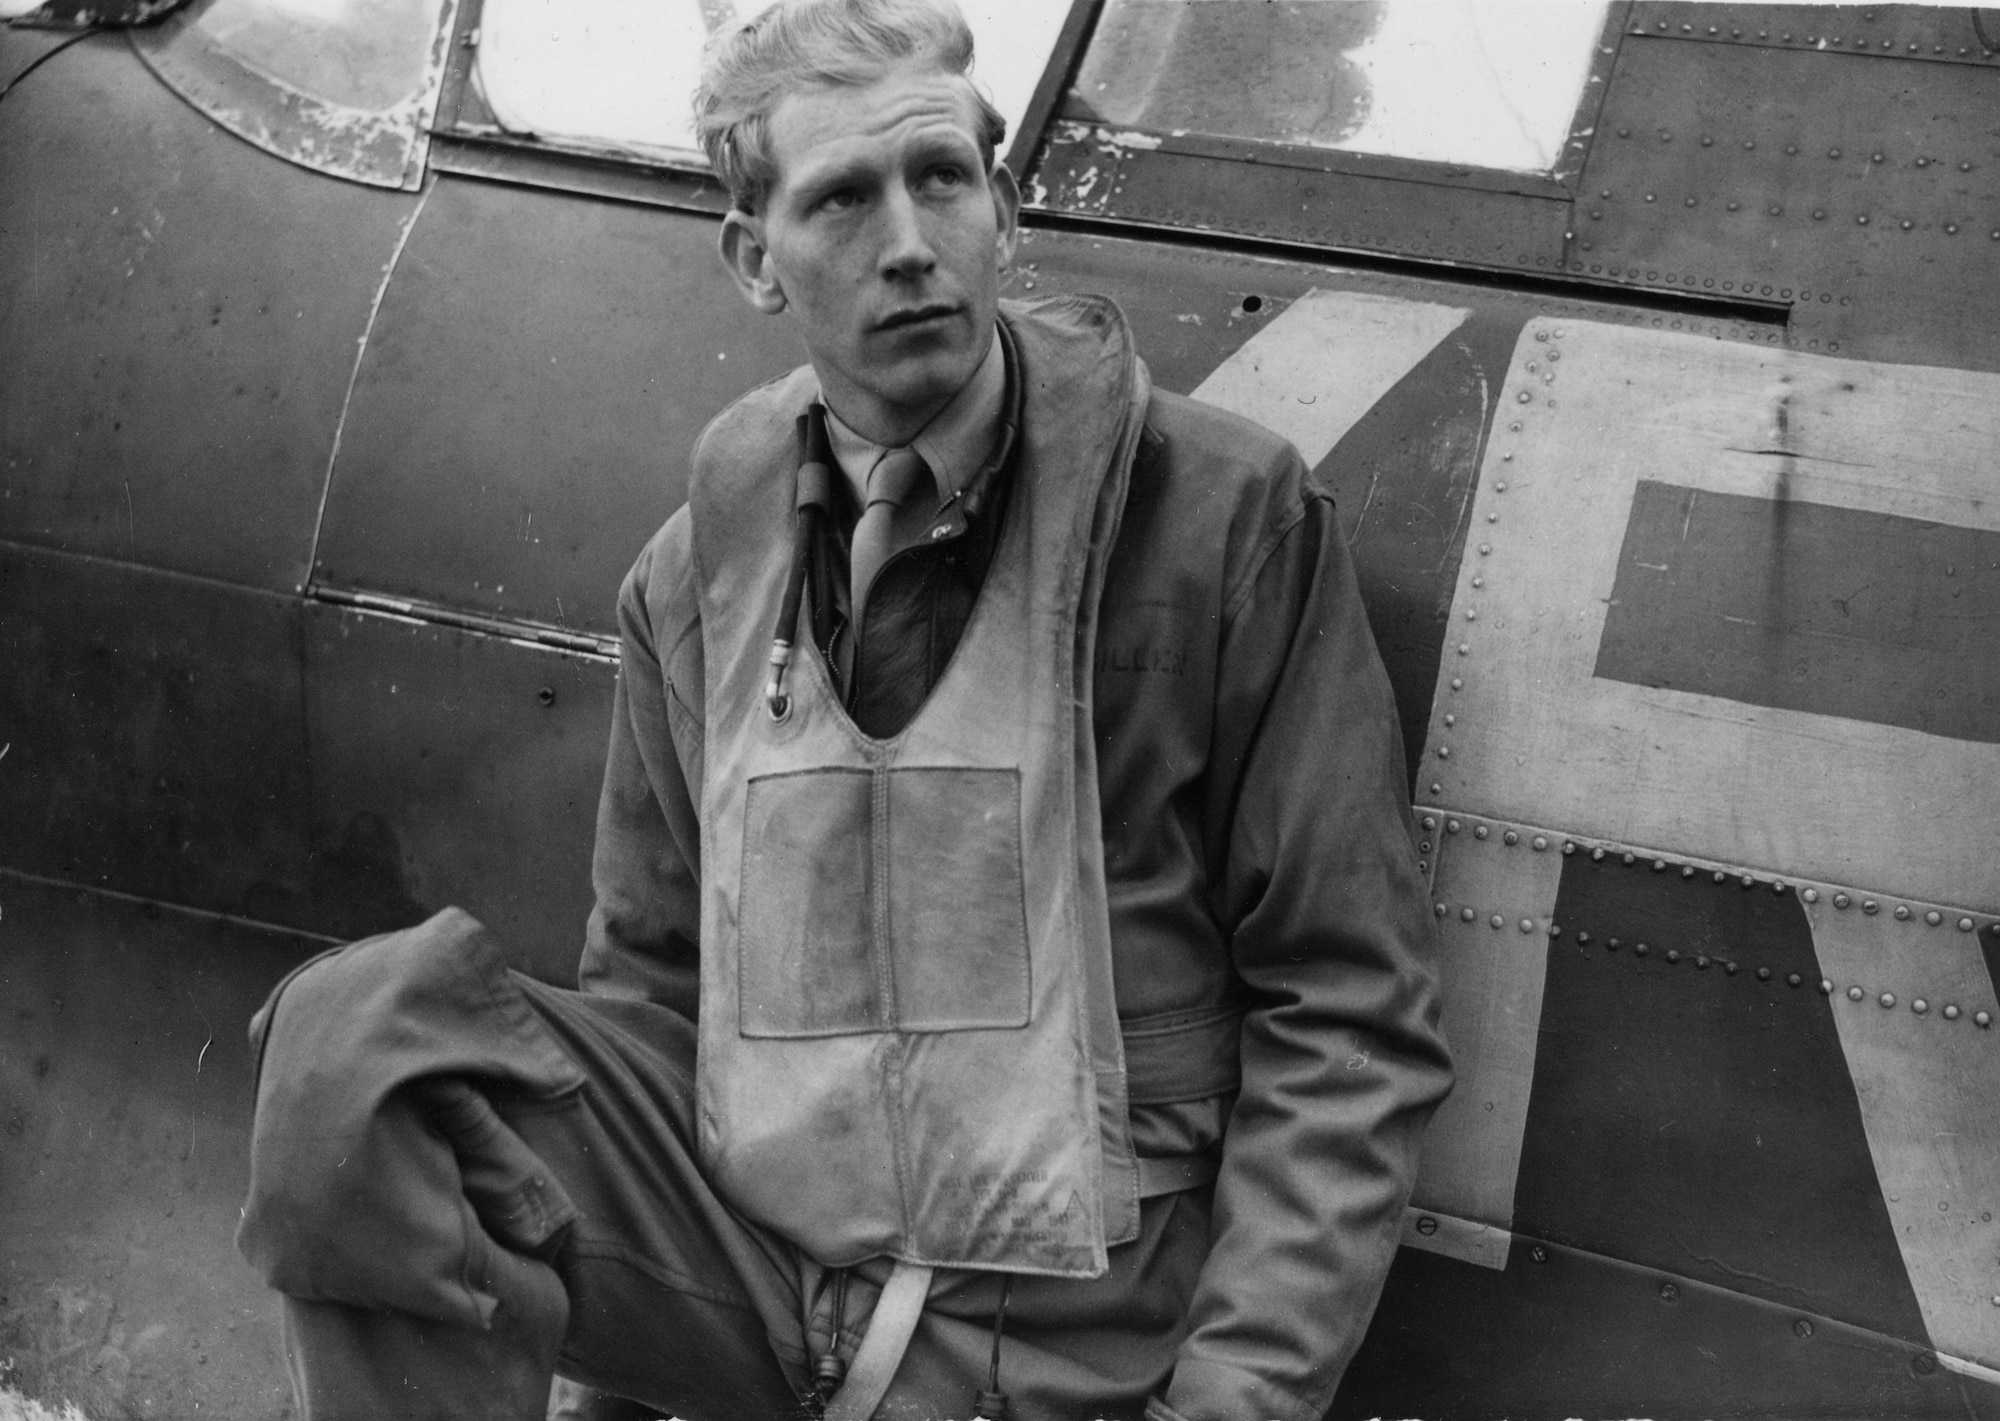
x=840, y=200
x=945, y=178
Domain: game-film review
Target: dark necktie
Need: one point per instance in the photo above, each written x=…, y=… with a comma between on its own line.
x=894, y=478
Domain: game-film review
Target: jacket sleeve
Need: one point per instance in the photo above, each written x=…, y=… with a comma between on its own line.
x=645, y=931
x=1333, y=938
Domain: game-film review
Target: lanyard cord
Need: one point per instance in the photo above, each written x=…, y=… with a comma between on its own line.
x=809, y=505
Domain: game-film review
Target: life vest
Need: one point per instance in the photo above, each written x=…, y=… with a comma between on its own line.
x=908, y=1038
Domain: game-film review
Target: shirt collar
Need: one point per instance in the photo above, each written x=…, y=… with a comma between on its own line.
x=955, y=444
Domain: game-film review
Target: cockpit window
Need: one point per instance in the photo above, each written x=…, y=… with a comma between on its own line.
x=619, y=75
x=1485, y=83
x=348, y=87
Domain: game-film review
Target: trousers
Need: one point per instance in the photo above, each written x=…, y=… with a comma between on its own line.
x=466, y=1181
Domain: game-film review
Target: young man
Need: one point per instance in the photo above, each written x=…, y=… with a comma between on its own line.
x=1010, y=983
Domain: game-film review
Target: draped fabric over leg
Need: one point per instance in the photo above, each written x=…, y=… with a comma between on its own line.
x=465, y=1179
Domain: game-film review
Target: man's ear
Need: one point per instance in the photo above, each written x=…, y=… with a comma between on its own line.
x=741, y=243
x=1006, y=210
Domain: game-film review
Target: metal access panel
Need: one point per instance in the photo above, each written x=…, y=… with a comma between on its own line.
x=125, y=1088
x=180, y=315
x=154, y=734
x=1810, y=157
x=529, y=395
x=454, y=768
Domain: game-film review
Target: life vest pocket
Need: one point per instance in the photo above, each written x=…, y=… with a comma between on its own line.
x=882, y=900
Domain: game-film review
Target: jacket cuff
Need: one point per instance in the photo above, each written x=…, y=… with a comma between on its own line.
x=1208, y=1390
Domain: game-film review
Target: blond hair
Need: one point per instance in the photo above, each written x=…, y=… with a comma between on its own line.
x=748, y=70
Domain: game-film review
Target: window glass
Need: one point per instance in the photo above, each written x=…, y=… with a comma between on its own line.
x=363, y=54
x=1489, y=83
x=620, y=74
x=345, y=87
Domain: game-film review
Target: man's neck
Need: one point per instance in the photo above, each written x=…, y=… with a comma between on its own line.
x=954, y=443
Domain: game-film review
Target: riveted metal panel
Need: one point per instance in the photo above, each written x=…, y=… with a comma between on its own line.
x=1562, y=1332
x=180, y=314
x=1401, y=208
x=1402, y=475
x=452, y=767
x=1692, y=1108
x=125, y=1083
x=534, y=383
x=1864, y=192
x=1538, y=735
x=1944, y=34
x=153, y=734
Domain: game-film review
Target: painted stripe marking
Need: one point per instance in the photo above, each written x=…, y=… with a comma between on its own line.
x=1315, y=370
x=1927, y=1083
x=1491, y=981
x=1588, y=413
x=1808, y=607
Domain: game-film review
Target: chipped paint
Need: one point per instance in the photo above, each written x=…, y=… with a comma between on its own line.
x=383, y=147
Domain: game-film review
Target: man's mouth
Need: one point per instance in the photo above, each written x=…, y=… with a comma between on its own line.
x=915, y=316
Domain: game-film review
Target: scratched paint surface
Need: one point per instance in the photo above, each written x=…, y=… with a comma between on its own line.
x=1588, y=413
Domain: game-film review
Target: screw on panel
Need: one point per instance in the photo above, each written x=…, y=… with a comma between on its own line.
x=1934, y=917
x=1527, y=925
x=1670, y=1292
x=1597, y=855
x=1442, y=910
x=1673, y=954
x=1855, y=994
x=1887, y=999
x=1803, y=1327
x=1965, y=925
x=1870, y=906
x=1951, y=1011
x=1825, y=987
x=1720, y=876
x=1510, y=838
x=1920, y=1006
x=1426, y=1225
x=1811, y=895
x=1554, y=930
x=1763, y=974
x=1466, y=915
x=1583, y=939
x=1479, y=831
x=1640, y=949
x=1452, y=826
x=1902, y=912
x=1701, y=962
x=1687, y=870
x=1569, y=846
x=1980, y=1018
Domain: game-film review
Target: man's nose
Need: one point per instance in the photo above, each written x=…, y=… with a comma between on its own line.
x=906, y=247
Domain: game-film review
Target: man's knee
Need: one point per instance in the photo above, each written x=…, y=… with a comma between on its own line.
x=380, y=1174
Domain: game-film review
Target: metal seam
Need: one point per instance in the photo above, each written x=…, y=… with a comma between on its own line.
x=354, y=375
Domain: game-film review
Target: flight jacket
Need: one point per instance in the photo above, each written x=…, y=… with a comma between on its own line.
x=1261, y=878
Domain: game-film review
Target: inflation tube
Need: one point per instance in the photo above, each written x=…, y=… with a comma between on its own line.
x=809, y=502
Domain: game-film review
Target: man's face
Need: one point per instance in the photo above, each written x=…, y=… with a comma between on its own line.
x=884, y=234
